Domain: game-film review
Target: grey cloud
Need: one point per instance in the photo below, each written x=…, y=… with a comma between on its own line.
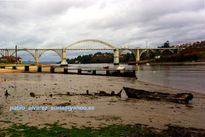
x=57, y=23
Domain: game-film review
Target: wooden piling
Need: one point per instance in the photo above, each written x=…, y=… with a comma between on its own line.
x=118, y=72
x=107, y=72
x=134, y=72
x=39, y=69
x=79, y=71
x=52, y=69
x=65, y=70
x=13, y=67
x=26, y=68
x=2, y=67
x=94, y=72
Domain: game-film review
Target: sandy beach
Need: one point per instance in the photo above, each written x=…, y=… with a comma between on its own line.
x=107, y=110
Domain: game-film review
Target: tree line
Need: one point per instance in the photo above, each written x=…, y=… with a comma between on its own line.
x=100, y=57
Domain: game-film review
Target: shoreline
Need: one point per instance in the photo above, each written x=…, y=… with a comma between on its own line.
x=33, y=69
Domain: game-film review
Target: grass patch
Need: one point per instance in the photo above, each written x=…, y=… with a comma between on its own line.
x=56, y=130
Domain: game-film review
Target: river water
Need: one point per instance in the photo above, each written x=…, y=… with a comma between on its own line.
x=181, y=76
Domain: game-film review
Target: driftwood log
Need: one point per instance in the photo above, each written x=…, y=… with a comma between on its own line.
x=142, y=94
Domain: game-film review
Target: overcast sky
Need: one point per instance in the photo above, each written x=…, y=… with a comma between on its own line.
x=57, y=23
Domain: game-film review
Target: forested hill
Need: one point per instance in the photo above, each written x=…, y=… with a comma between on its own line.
x=100, y=58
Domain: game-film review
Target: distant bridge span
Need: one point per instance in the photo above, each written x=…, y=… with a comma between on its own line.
x=36, y=53
x=91, y=40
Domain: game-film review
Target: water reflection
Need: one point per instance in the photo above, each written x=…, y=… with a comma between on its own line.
x=182, y=76
x=186, y=77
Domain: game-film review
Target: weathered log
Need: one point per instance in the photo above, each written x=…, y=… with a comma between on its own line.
x=142, y=94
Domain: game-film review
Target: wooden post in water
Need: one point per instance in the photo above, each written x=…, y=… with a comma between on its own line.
x=94, y=72
x=52, y=69
x=39, y=69
x=65, y=70
x=118, y=72
x=134, y=72
x=26, y=68
x=13, y=67
x=107, y=72
x=79, y=71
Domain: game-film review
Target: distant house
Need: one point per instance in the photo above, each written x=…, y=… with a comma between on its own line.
x=123, y=53
x=10, y=59
x=124, y=47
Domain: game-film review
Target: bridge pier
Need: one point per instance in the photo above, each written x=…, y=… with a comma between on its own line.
x=136, y=52
x=138, y=55
x=116, y=57
x=36, y=56
x=6, y=52
x=63, y=58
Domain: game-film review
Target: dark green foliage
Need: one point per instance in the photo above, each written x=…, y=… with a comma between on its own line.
x=127, y=57
x=100, y=57
x=189, y=54
x=195, y=57
x=166, y=45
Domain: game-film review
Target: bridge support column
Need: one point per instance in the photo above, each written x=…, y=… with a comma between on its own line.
x=6, y=52
x=138, y=55
x=36, y=56
x=116, y=57
x=63, y=57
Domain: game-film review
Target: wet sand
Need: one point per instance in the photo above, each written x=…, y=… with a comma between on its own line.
x=108, y=110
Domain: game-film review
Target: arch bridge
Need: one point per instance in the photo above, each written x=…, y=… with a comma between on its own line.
x=36, y=53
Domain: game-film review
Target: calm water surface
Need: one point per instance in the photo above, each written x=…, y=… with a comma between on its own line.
x=185, y=76
x=188, y=77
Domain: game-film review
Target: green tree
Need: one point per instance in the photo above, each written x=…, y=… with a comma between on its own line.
x=166, y=44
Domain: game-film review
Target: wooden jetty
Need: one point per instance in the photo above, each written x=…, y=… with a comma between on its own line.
x=69, y=70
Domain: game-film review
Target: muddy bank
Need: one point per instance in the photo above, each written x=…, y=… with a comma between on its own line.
x=107, y=110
